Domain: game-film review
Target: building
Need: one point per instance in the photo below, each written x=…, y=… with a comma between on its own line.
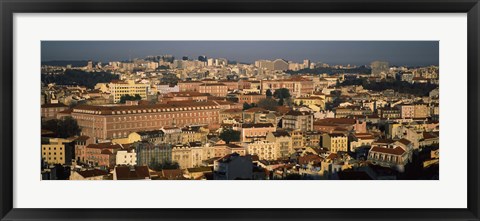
x=335, y=142
x=264, y=149
x=49, y=111
x=361, y=140
x=250, y=98
x=215, y=89
x=53, y=152
x=189, y=85
x=407, y=111
x=107, y=122
x=283, y=142
x=389, y=156
x=126, y=157
x=184, y=96
x=148, y=153
x=255, y=131
x=122, y=88
x=421, y=110
x=298, y=120
x=297, y=86
x=232, y=167
x=309, y=101
x=102, y=154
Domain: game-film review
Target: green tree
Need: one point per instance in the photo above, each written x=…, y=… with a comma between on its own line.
x=282, y=93
x=63, y=128
x=268, y=103
x=246, y=106
x=230, y=135
x=157, y=166
x=129, y=97
x=269, y=93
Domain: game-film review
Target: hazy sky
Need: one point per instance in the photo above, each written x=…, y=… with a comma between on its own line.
x=411, y=53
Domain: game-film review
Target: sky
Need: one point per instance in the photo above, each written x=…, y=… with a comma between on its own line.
x=408, y=53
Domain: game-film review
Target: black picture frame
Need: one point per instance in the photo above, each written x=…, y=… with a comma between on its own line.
x=9, y=7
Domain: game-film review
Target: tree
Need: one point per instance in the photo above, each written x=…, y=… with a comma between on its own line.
x=268, y=103
x=230, y=135
x=282, y=93
x=246, y=106
x=269, y=93
x=128, y=97
x=77, y=77
x=280, y=102
x=154, y=165
x=63, y=128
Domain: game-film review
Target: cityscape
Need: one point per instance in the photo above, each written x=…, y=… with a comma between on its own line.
x=239, y=110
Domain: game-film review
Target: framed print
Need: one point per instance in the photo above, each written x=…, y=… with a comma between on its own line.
x=262, y=110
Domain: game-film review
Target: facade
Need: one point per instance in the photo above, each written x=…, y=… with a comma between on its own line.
x=126, y=157
x=54, y=152
x=421, y=110
x=250, y=98
x=297, y=86
x=215, y=89
x=107, y=122
x=335, y=142
x=148, y=153
x=102, y=154
x=49, y=111
x=283, y=142
x=264, y=149
x=298, y=120
x=122, y=88
x=389, y=156
x=407, y=111
x=259, y=131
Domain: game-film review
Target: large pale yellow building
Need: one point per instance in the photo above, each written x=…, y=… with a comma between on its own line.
x=54, y=151
x=122, y=88
x=335, y=142
x=265, y=150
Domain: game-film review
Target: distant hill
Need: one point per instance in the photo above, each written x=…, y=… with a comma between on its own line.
x=76, y=77
x=65, y=63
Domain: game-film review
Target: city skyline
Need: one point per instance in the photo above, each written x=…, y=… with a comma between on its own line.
x=400, y=53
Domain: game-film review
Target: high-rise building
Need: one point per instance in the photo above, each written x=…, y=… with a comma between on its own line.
x=306, y=63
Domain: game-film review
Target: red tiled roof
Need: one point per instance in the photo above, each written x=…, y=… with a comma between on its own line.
x=136, y=173
x=394, y=151
x=92, y=173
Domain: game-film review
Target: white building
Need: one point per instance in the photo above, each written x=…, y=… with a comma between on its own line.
x=126, y=158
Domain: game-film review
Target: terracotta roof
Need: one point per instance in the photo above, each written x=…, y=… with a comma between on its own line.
x=108, y=145
x=92, y=173
x=335, y=121
x=171, y=105
x=135, y=173
x=404, y=141
x=395, y=151
x=257, y=125
x=53, y=105
x=172, y=174
x=309, y=158
x=428, y=135
x=199, y=169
